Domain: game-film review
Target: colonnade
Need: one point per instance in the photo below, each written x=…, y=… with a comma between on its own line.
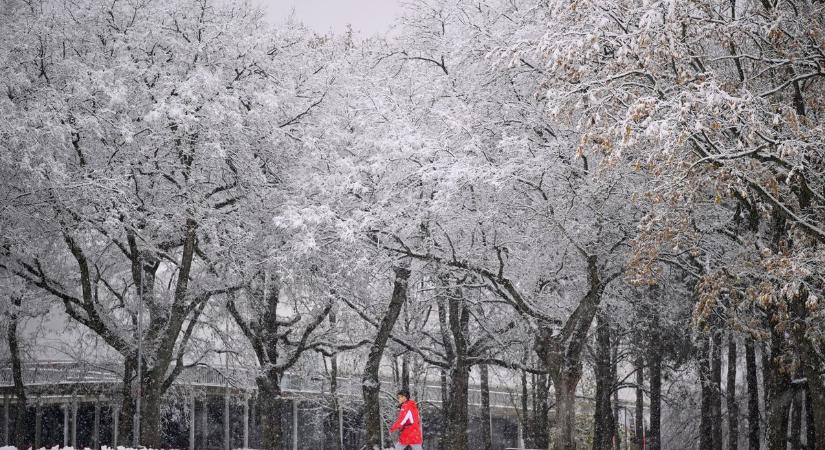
x=111, y=405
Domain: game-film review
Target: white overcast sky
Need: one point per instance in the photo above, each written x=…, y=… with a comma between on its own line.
x=368, y=16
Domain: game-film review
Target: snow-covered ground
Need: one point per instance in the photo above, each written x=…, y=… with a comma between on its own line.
x=57, y=447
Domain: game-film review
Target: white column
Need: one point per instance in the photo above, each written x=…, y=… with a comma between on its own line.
x=38, y=422
x=626, y=430
x=340, y=425
x=6, y=439
x=204, y=421
x=74, y=422
x=96, y=426
x=115, y=423
x=520, y=443
x=381, y=427
x=226, y=439
x=295, y=424
x=246, y=421
x=254, y=420
x=65, y=424
x=490, y=418
x=192, y=422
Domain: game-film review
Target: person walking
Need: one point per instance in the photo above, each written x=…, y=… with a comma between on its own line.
x=408, y=422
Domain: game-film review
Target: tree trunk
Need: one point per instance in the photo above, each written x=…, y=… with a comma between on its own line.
x=535, y=421
x=603, y=425
x=270, y=345
x=335, y=414
x=777, y=394
x=371, y=385
x=127, y=404
x=753, y=395
x=21, y=422
x=457, y=414
x=655, y=364
x=445, y=408
x=150, y=417
x=526, y=423
x=541, y=413
x=271, y=408
x=446, y=395
x=816, y=391
x=164, y=332
x=811, y=363
x=486, y=417
x=565, y=388
x=706, y=386
x=561, y=356
x=796, y=420
x=716, y=389
x=405, y=372
x=459, y=330
x=614, y=377
x=640, y=402
x=810, y=429
x=776, y=378
x=733, y=406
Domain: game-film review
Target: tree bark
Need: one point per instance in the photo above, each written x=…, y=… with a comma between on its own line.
x=716, y=389
x=446, y=395
x=796, y=420
x=335, y=414
x=457, y=414
x=150, y=416
x=816, y=391
x=561, y=354
x=640, y=402
x=405, y=371
x=705, y=379
x=811, y=365
x=127, y=404
x=541, y=413
x=165, y=335
x=445, y=408
x=810, y=429
x=486, y=417
x=456, y=340
x=271, y=407
x=370, y=381
x=526, y=423
x=21, y=422
x=270, y=343
x=733, y=406
x=614, y=377
x=565, y=388
x=535, y=421
x=603, y=425
x=753, y=395
x=777, y=393
x=655, y=364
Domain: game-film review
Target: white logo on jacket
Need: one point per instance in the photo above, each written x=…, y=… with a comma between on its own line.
x=408, y=416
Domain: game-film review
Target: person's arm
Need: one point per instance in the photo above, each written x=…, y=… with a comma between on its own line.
x=399, y=421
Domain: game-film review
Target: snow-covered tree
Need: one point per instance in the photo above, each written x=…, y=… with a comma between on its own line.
x=136, y=137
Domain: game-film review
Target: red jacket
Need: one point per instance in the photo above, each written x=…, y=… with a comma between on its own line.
x=409, y=423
